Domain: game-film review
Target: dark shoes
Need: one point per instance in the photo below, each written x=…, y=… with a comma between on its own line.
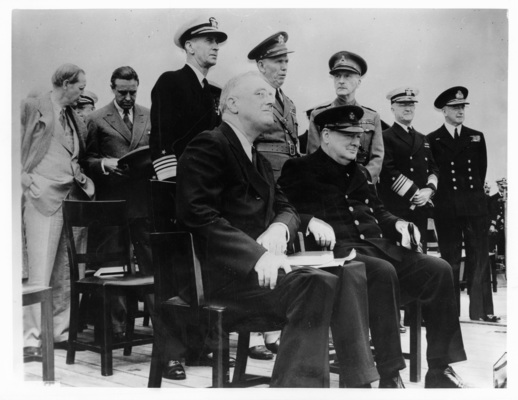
x=32, y=354
x=487, y=318
x=173, y=370
x=260, y=352
x=392, y=383
x=443, y=378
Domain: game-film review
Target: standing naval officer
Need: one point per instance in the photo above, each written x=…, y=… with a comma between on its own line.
x=347, y=70
x=183, y=102
x=279, y=143
x=409, y=175
x=460, y=211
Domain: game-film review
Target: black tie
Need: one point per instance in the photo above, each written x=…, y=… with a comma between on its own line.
x=254, y=157
x=455, y=134
x=410, y=130
x=127, y=120
x=278, y=97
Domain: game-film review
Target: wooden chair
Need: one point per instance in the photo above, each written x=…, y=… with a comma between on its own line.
x=175, y=262
x=110, y=215
x=32, y=294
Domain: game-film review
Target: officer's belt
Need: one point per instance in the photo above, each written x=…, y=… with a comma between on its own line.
x=281, y=148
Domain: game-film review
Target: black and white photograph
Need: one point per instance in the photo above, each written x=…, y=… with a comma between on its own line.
x=260, y=196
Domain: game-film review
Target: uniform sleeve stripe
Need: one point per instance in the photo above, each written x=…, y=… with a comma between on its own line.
x=402, y=185
x=165, y=167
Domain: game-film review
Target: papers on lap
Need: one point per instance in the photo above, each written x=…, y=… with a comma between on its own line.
x=319, y=259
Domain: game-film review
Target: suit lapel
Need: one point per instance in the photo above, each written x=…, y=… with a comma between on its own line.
x=139, y=123
x=256, y=180
x=113, y=118
x=402, y=134
x=445, y=138
x=418, y=142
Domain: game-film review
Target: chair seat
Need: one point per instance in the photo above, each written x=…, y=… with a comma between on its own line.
x=129, y=280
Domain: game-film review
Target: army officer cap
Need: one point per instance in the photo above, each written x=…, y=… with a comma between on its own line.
x=272, y=46
x=348, y=62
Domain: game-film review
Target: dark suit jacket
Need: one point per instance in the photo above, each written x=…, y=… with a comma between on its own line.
x=315, y=184
x=179, y=111
x=462, y=167
x=227, y=203
x=108, y=136
x=407, y=160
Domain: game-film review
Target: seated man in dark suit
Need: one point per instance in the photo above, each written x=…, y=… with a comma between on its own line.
x=242, y=222
x=329, y=185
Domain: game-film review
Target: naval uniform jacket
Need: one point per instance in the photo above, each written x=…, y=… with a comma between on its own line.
x=109, y=137
x=371, y=151
x=408, y=165
x=180, y=110
x=283, y=138
x=227, y=204
x=462, y=167
x=344, y=197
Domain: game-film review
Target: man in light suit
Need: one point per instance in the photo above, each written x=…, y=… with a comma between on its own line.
x=348, y=69
x=242, y=222
x=52, y=145
x=183, y=102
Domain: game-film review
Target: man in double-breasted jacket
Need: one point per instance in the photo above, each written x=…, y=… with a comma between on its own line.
x=183, y=102
x=409, y=175
x=460, y=212
x=330, y=187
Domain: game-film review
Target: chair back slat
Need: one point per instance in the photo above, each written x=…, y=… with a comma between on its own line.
x=100, y=215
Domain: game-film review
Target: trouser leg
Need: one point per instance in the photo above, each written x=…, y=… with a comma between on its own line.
x=350, y=326
x=477, y=259
x=384, y=314
x=430, y=280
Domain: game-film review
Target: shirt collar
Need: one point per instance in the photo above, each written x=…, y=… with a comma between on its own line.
x=406, y=128
x=121, y=110
x=451, y=129
x=247, y=146
x=199, y=75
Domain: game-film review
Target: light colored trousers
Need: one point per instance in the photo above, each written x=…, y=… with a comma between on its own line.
x=48, y=266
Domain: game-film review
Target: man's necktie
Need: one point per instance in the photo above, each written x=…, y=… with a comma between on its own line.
x=127, y=120
x=254, y=157
x=63, y=119
x=456, y=134
x=68, y=132
x=411, y=130
x=278, y=97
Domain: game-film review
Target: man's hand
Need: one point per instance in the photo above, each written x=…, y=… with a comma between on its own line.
x=267, y=268
x=402, y=227
x=323, y=233
x=422, y=197
x=274, y=239
x=111, y=167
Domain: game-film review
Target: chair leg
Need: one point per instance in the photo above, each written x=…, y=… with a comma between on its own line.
x=132, y=307
x=73, y=327
x=47, y=336
x=107, y=336
x=84, y=306
x=145, y=322
x=243, y=343
x=415, y=341
x=220, y=369
x=155, y=371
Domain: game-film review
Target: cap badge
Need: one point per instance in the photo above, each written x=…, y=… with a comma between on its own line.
x=459, y=95
x=352, y=117
x=213, y=22
x=409, y=92
x=280, y=39
x=343, y=60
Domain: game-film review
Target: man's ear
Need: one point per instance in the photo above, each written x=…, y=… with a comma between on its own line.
x=188, y=47
x=324, y=135
x=260, y=66
x=231, y=105
x=359, y=83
